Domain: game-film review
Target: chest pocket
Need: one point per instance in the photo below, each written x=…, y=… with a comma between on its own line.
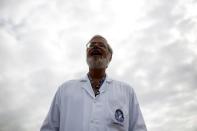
x=118, y=116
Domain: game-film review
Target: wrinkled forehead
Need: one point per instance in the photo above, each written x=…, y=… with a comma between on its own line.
x=98, y=39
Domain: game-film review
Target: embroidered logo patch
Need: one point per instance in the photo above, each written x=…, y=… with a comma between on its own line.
x=119, y=115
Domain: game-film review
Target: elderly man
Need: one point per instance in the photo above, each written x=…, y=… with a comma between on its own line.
x=95, y=102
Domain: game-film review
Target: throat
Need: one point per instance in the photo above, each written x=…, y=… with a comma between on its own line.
x=96, y=83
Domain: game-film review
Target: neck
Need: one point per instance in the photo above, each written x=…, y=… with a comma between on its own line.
x=97, y=73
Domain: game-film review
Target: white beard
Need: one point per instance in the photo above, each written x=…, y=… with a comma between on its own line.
x=97, y=62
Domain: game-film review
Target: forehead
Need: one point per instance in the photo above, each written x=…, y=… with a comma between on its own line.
x=98, y=39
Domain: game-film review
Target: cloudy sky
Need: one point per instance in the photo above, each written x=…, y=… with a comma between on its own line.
x=42, y=44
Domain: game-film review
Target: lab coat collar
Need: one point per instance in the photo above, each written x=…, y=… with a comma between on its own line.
x=87, y=86
x=86, y=79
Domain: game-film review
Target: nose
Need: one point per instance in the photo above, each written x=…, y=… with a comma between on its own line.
x=95, y=46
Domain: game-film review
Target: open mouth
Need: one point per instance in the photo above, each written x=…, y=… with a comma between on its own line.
x=95, y=52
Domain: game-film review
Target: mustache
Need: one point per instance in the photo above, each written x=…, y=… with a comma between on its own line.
x=95, y=51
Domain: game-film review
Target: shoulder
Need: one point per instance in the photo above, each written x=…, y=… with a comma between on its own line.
x=122, y=85
x=69, y=84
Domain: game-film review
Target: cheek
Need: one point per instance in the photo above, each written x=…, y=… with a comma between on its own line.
x=87, y=52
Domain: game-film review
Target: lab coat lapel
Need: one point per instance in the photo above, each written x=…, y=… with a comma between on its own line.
x=105, y=85
x=87, y=86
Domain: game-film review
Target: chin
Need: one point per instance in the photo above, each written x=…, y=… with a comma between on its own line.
x=97, y=62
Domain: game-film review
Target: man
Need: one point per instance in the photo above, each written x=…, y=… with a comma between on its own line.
x=95, y=102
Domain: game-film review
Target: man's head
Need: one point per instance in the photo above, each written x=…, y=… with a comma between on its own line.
x=99, y=52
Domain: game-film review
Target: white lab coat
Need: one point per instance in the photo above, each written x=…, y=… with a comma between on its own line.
x=75, y=108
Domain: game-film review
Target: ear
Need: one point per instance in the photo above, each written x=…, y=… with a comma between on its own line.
x=110, y=56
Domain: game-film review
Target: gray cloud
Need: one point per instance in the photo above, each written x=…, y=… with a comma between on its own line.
x=162, y=67
x=43, y=44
